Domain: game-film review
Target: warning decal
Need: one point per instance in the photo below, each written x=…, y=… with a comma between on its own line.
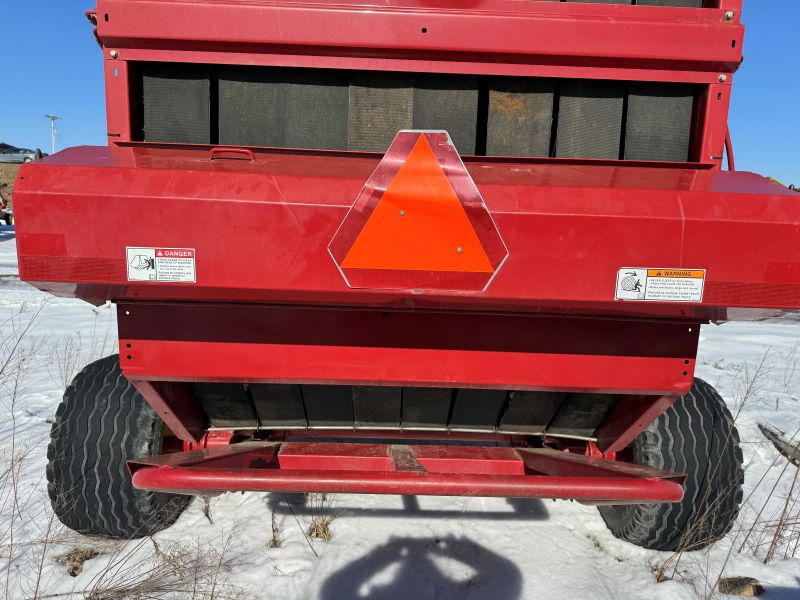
x=161, y=264
x=660, y=285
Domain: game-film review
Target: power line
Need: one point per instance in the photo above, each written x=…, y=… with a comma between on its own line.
x=53, y=131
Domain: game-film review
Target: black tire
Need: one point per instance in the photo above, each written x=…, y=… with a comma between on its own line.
x=696, y=436
x=100, y=424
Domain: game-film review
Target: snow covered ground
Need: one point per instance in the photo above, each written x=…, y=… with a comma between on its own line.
x=383, y=547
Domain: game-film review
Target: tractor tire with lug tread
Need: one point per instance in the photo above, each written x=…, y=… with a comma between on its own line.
x=100, y=424
x=696, y=436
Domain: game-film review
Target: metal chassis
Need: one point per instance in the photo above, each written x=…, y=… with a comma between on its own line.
x=570, y=40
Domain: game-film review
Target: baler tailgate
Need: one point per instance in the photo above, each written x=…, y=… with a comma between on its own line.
x=400, y=469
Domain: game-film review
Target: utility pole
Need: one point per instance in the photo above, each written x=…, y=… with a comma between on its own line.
x=53, y=132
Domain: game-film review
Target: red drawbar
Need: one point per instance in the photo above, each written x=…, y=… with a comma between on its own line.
x=401, y=469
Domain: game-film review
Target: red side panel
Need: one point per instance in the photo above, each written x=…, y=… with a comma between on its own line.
x=261, y=230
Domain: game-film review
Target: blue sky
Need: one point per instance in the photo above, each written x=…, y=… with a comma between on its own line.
x=51, y=63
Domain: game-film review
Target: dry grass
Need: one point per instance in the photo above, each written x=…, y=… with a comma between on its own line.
x=75, y=558
x=276, y=541
x=774, y=531
x=322, y=516
x=146, y=569
x=31, y=536
x=768, y=530
x=70, y=354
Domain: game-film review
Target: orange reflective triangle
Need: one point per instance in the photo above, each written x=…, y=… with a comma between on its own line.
x=419, y=224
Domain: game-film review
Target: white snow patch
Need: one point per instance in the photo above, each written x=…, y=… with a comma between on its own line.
x=383, y=547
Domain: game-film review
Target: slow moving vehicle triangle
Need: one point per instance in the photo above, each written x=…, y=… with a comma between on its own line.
x=419, y=222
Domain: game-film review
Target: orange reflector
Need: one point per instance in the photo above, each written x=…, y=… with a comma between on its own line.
x=419, y=223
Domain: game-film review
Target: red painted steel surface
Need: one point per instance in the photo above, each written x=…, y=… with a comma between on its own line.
x=630, y=416
x=516, y=30
x=469, y=460
x=256, y=466
x=258, y=343
x=334, y=457
x=568, y=230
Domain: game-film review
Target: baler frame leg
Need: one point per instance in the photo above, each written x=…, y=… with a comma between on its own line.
x=174, y=403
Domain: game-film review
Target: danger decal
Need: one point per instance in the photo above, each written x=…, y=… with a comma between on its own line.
x=161, y=264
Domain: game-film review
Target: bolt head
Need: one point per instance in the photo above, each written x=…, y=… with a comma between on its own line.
x=402, y=213
x=459, y=250
x=729, y=15
x=114, y=53
x=723, y=78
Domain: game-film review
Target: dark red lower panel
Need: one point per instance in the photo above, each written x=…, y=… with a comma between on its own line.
x=161, y=341
x=400, y=469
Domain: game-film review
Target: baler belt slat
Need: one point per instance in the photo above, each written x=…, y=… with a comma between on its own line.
x=426, y=408
x=590, y=119
x=520, y=117
x=279, y=406
x=329, y=406
x=451, y=103
x=381, y=104
x=251, y=107
x=477, y=410
x=225, y=404
x=316, y=110
x=530, y=412
x=581, y=414
x=659, y=122
x=176, y=103
x=376, y=407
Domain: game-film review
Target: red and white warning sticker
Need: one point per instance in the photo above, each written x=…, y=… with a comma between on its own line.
x=660, y=285
x=161, y=264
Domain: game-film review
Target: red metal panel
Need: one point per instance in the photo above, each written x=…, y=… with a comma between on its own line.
x=172, y=341
x=670, y=38
x=244, y=455
x=562, y=464
x=250, y=467
x=423, y=64
x=478, y=460
x=568, y=230
x=328, y=456
x=711, y=124
x=118, y=99
x=196, y=361
x=335, y=457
